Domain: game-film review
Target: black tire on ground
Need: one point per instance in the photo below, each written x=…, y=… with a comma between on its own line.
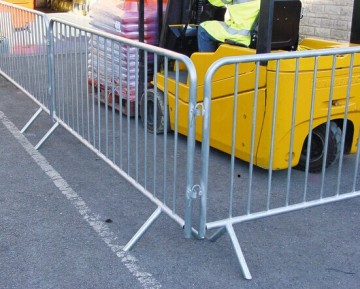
x=318, y=146
x=151, y=100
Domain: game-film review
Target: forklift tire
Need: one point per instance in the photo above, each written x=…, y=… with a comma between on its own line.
x=318, y=146
x=160, y=113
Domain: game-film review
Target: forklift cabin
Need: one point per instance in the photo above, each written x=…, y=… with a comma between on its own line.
x=279, y=18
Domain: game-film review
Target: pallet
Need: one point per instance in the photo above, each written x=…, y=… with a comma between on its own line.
x=127, y=107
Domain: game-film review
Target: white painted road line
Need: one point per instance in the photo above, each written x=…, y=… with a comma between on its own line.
x=146, y=280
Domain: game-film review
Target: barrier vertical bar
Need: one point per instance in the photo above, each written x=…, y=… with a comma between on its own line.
x=51, y=71
x=190, y=152
x=293, y=116
x=344, y=127
x=253, y=131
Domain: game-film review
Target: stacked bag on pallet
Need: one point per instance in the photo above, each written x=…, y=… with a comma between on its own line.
x=113, y=65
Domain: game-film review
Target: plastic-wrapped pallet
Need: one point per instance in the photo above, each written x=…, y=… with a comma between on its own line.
x=121, y=17
x=114, y=66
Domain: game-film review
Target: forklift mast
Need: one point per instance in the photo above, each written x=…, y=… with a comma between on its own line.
x=355, y=26
x=278, y=25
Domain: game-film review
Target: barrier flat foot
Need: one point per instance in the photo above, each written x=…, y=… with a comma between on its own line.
x=31, y=120
x=143, y=229
x=218, y=234
x=46, y=136
x=239, y=254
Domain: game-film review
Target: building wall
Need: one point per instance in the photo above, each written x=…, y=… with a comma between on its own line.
x=327, y=19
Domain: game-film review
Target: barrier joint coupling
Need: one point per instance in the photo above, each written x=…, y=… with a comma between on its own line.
x=199, y=109
x=195, y=192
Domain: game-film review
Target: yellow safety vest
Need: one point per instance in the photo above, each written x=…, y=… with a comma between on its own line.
x=237, y=28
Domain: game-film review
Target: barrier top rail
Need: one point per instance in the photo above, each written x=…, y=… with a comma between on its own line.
x=277, y=56
x=134, y=43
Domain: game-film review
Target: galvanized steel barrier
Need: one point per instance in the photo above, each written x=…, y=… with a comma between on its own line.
x=305, y=97
x=97, y=84
x=92, y=83
x=23, y=52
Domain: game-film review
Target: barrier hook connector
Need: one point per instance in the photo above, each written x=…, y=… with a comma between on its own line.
x=199, y=109
x=195, y=192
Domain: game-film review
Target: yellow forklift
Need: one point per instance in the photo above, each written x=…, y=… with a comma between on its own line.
x=179, y=34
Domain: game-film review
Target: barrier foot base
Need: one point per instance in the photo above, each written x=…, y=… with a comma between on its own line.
x=239, y=254
x=219, y=233
x=46, y=136
x=31, y=120
x=143, y=229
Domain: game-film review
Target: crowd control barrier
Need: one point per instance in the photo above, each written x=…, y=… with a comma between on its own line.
x=280, y=136
x=91, y=83
x=98, y=80
x=296, y=127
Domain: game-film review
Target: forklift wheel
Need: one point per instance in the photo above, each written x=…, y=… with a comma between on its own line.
x=318, y=146
x=160, y=111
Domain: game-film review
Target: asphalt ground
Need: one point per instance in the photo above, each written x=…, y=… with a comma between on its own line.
x=66, y=215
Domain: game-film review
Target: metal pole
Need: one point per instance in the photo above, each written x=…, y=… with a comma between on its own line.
x=265, y=27
x=141, y=20
x=141, y=56
x=51, y=70
x=355, y=25
x=159, y=17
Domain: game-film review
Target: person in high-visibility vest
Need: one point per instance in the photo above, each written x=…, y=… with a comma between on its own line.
x=236, y=29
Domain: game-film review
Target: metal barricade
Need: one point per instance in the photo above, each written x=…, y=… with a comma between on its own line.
x=291, y=130
x=23, y=51
x=98, y=82
x=283, y=117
